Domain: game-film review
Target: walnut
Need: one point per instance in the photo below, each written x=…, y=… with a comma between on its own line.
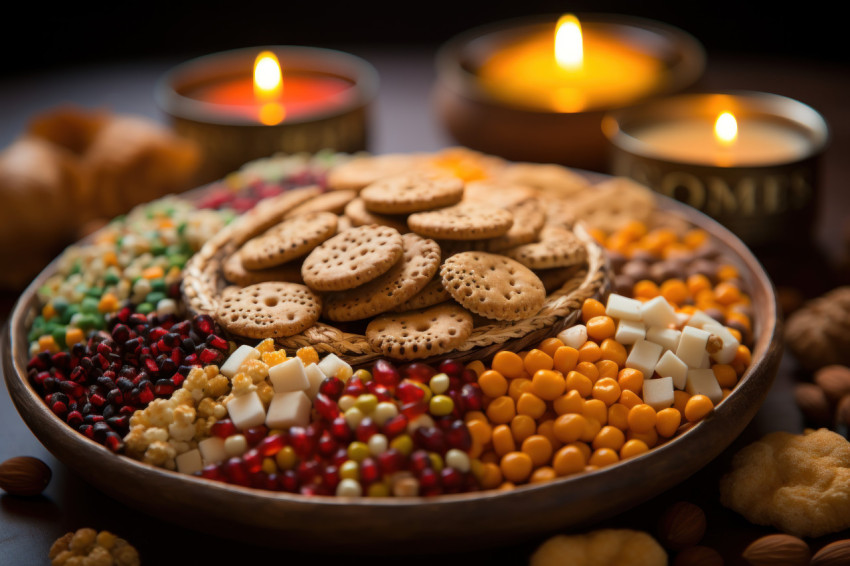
x=818, y=334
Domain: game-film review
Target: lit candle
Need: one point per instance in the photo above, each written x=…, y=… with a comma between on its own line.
x=572, y=68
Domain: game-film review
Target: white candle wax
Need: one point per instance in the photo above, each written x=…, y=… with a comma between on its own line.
x=758, y=143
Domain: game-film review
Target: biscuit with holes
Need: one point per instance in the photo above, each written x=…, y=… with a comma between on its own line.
x=557, y=247
x=462, y=222
x=363, y=170
x=432, y=294
x=236, y=273
x=417, y=266
x=420, y=334
x=292, y=238
x=269, y=211
x=268, y=310
x=413, y=192
x=352, y=258
x=329, y=201
x=529, y=218
x=549, y=178
x=494, y=193
x=492, y=285
x=357, y=212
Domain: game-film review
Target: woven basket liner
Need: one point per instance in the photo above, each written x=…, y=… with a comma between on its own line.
x=203, y=282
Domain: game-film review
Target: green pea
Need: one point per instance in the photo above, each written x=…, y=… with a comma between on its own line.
x=155, y=297
x=60, y=305
x=144, y=308
x=159, y=285
x=89, y=305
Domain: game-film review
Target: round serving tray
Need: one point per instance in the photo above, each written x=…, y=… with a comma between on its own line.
x=448, y=522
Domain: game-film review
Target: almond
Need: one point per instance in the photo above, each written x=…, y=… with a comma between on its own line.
x=812, y=402
x=682, y=525
x=698, y=556
x=24, y=475
x=833, y=554
x=834, y=380
x=778, y=550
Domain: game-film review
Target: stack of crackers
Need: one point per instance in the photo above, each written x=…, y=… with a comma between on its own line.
x=406, y=249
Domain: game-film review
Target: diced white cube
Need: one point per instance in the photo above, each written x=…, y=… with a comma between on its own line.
x=658, y=393
x=667, y=338
x=699, y=319
x=730, y=343
x=189, y=462
x=691, y=349
x=682, y=319
x=671, y=366
x=246, y=410
x=289, y=376
x=658, y=312
x=706, y=361
x=332, y=365
x=315, y=377
x=704, y=382
x=212, y=450
x=644, y=357
x=574, y=336
x=622, y=307
x=242, y=353
x=629, y=332
x=289, y=409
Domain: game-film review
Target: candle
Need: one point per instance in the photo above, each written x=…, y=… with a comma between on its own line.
x=570, y=68
x=252, y=103
x=747, y=159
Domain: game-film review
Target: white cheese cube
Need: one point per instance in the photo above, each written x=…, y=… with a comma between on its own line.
x=699, y=319
x=658, y=312
x=622, y=307
x=332, y=365
x=189, y=462
x=730, y=343
x=289, y=376
x=706, y=362
x=691, y=347
x=289, y=409
x=704, y=382
x=574, y=336
x=671, y=366
x=644, y=357
x=212, y=450
x=315, y=377
x=246, y=410
x=242, y=353
x=682, y=319
x=658, y=393
x=667, y=338
x=629, y=332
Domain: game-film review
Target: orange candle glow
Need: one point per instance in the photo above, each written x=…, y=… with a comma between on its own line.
x=574, y=69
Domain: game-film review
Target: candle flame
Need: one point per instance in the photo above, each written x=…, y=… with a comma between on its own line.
x=726, y=128
x=268, y=80
x=569, y=52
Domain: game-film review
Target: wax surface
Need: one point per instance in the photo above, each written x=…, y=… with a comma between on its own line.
x=759, y=142
x=302, y=94
x=613, y=74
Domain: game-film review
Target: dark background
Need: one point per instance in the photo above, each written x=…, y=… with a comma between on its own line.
x=36, y=37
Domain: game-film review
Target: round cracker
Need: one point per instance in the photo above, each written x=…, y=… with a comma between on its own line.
x=269, y=211
x=493, y=285
x=413, y=192
x=462, y=222
x=352, y=258
x=432, y=294
x=329, y=201
x=417, y=266
x=361, y=171
x=529, y=218
x=288, y=240
x=236, y=273
x=268, y=310
x=420, y=334
x=495, y=193
x=557, y=247
x=359, y=215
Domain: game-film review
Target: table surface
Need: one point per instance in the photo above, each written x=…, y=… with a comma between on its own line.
x=403, y=120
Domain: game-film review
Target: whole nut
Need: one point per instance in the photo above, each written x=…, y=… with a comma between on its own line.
x=778, y=550
x=834, y=380
x=812, y=402
x=833, y=554
x=682, y=525
x=24, y=475
x=842, y=412
x=698, y=556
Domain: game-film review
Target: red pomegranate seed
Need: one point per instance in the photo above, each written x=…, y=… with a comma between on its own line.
x=469, y=376
x=307, y=471
x=330, y=476
x=327, y=444
x=326, y=407
x=340, y=429
x=332, y=387
x=271, y=445
x=418, y=371
x=355, y=387
x=451, y=367
x=429, y=478
x=395, y=426
x=211, y=472
x=289, y=481
x=451, y=479
x=209, y=356
x=382, y=392
x=390, y=461
x=431, y=439
x=385, y=373
x=419, y=460
x=366, y=428
x=302, y=441
x=471, y=395
x=340, y=457
x=217, y=342
x=255, y=434
x=369, y=471
x=253, y=461
x=223, y=428
x=413, y=410
x=408, y=392
x=235, y=472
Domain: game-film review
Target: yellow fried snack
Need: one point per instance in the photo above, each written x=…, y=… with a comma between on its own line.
x=605, y=547
x=799, y=484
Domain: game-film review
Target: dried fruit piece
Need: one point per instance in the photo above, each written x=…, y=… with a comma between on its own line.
x=833, y=554
x=682, y=525
x=778, y=550
x=24, y=475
